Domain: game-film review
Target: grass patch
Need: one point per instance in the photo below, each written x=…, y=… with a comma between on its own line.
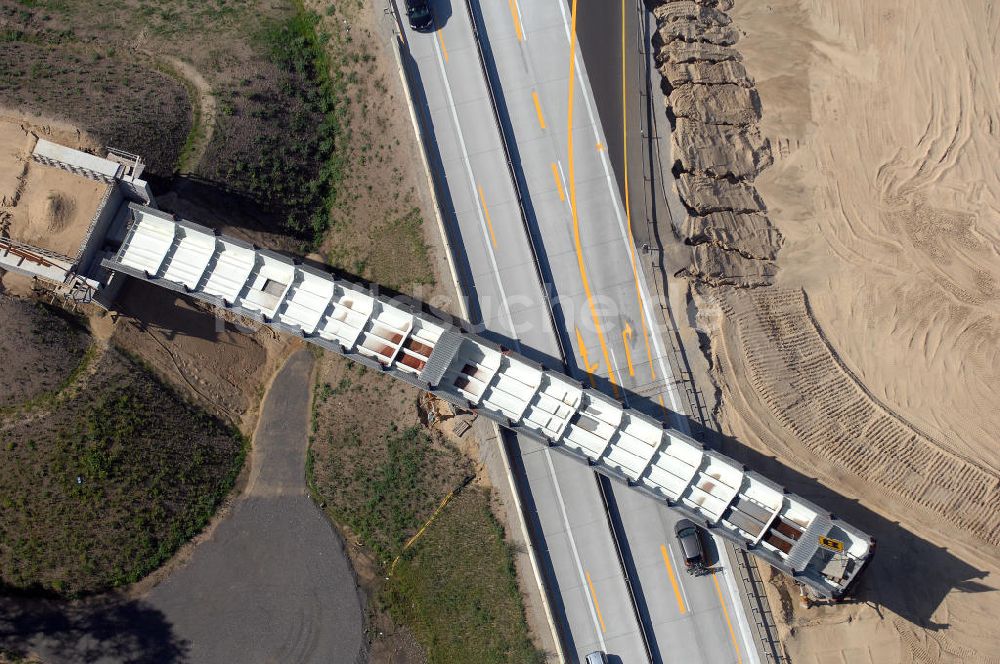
x=385, y=498
x=52, y=75
x=51, y=397
x=42, y=350
x=8, y=656
x=196, y=133
x=296, y=170
x=456, y=589
x=279, y=97
x=377, y=227
x=104, y=489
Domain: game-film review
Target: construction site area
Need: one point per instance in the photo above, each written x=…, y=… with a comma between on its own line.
x=632, y=289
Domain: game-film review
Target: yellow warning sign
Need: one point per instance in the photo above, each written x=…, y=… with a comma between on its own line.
x=830, y=543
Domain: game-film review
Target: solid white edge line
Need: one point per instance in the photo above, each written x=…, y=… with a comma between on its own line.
x=614, y=365
x=548, y=458
x=463, y=306
x=562, y=176
x=475, y=191
x=520, y=19
x=673, y=391
x=749, y=643
x=532, y=557
x=576, y=553
x=618, y=206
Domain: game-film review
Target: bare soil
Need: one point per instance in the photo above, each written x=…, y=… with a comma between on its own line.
x=55, y=208
x=15, y=151
x=868, y=369
x=40, y=348
x=223, y=365
x=380, y=222
x=120, y=98
x=42, y=205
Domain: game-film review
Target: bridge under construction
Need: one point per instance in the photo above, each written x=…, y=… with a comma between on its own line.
x=136, y=240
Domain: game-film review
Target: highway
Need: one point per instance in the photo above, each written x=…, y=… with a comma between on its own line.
x=605, y=308
x=578, y=225
x=506, y=297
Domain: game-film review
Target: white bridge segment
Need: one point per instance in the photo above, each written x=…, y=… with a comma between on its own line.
x=710, y=488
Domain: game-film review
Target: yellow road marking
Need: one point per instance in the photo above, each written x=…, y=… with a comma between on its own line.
x=666, y=413
x=600, y=147
x=538, y=109
x=628, y=209
x=587, y=366
x=555, y=176
x=576, y=218
x=441, y=40
x=725, y=612
x=627, y=339
x=673, y=579
x=597, y=607
x=486, y=213
x=517, y=20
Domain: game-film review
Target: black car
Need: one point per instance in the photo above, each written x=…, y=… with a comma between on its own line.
x=419, y=14
x=687, y=535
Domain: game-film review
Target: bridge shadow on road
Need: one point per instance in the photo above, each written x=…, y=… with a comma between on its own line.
x=909, y=575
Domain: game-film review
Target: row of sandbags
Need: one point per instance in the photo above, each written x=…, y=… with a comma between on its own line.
x=718, y=149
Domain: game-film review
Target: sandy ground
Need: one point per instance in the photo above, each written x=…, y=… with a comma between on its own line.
x=223, y=365
x=871, y=364
x=894, y=196
x=15, y=148
x=55, y=209
x=42, y=205
x=50, y=129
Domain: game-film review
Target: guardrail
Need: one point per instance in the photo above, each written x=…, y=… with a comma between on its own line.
x=762, y=622
x=760, y=608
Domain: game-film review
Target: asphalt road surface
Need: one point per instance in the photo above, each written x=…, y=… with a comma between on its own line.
x=272, y=583
x=496, y=265
x=576, y=222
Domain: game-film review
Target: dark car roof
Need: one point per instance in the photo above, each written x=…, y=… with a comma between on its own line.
x=682, y=524
x=419, y=13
